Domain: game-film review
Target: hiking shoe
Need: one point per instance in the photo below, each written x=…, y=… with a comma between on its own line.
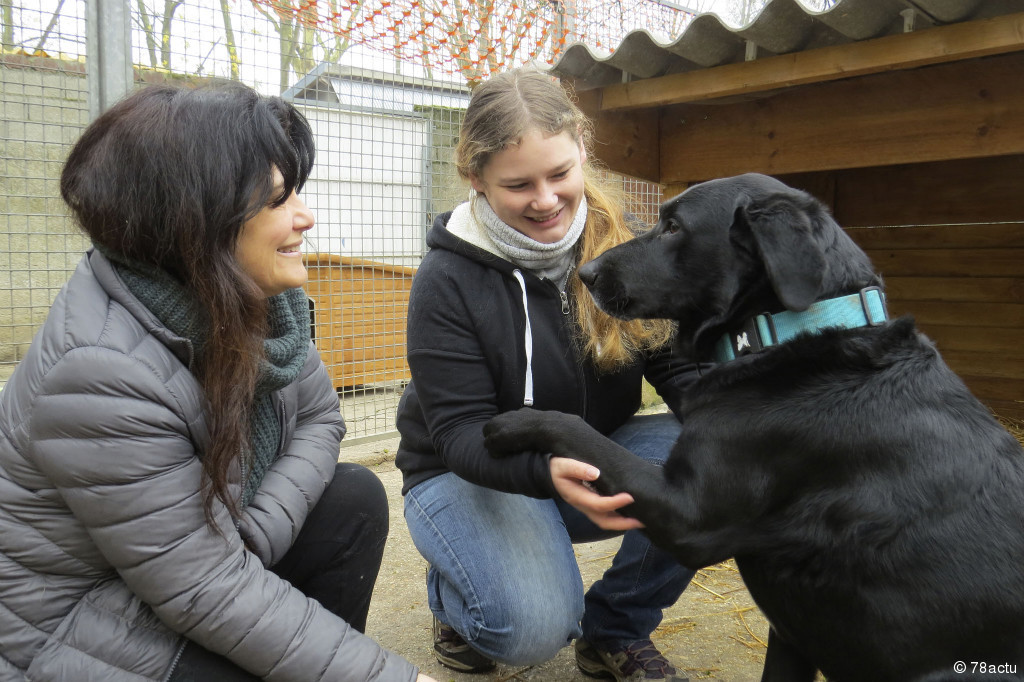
x=638, y=661
x=453, y=651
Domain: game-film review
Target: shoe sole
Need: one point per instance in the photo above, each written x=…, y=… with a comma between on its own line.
x=460, y=666
x=599, y=670
x=596, y=670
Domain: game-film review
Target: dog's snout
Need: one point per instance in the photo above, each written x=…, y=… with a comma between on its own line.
x=588, y=273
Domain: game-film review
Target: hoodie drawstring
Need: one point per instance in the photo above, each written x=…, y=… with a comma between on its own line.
x=528, y=391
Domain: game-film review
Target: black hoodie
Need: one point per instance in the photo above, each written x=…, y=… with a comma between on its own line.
x=467, y=352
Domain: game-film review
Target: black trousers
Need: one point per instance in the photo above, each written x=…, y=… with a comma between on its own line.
x=335, y=560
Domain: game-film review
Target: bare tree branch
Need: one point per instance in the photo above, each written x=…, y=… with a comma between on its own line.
x=170, y=6
x=305, y=36
x=49, y=27
x=232, y=46
x=147, y=30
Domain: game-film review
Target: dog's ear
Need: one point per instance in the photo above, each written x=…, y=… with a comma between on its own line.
x=792, y=256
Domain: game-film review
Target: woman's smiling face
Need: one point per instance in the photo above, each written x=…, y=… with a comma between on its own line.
x=535, y=186
x=269, y=247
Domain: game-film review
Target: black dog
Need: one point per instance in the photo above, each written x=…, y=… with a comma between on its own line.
x=874, y=507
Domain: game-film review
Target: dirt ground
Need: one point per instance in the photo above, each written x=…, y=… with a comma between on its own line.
x=714, y=632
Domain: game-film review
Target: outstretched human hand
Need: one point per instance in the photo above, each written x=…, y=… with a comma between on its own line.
x=568, y=476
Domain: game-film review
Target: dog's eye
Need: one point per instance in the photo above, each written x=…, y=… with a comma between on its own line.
x=672, y=226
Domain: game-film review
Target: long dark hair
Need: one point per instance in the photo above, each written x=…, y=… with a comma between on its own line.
x=167, y=178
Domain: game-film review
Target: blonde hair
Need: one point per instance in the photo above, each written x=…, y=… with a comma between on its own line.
x=502, y=110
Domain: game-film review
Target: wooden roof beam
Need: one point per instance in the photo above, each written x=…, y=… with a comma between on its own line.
x=955, y=42
x=962, y=110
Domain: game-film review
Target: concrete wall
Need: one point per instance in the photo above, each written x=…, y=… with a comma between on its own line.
x=43, y=110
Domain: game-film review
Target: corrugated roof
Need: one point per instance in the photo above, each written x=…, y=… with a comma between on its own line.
x=783, y=26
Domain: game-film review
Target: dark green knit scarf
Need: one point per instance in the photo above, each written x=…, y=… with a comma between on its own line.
x=284, y=351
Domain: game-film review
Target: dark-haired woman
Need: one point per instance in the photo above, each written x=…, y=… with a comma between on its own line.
x=171, y=506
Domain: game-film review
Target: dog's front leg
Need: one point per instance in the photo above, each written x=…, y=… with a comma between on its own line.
x=669, y=515
x=679, y=514
x=783, y=663
x=567, y=435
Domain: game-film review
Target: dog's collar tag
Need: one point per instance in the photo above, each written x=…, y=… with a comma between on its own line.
x=866, y=308
x=753, y=337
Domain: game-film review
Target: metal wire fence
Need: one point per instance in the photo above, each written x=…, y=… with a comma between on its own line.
x=43, y=110
x=385, y=133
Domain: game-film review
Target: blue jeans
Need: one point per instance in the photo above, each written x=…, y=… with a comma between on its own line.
x=503, y=573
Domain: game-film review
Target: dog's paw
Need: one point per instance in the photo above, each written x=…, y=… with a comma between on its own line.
x=507, y=434
x=526, y=429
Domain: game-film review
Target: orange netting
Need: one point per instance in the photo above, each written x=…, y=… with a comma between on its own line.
x=474, y=38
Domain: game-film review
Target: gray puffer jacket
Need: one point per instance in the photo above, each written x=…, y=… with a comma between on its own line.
x=106, y=560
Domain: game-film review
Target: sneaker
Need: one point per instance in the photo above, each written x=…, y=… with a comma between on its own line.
x=453, y=651
x=638, y=661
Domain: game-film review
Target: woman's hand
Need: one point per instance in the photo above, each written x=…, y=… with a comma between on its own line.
x=568, y=475
x=423, y=678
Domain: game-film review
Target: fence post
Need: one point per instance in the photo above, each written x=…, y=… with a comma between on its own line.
x=108, y=53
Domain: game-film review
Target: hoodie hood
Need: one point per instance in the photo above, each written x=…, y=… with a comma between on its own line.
x=459, y=231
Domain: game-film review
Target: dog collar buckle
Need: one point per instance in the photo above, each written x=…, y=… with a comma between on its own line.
x=755, y=335
x=875, y=311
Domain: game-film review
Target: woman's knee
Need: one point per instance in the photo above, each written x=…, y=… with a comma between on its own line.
x=361, y=486
x=525, y=626
x=650, y=437
x=503, y=572
x=526, y=636
x=354, y=496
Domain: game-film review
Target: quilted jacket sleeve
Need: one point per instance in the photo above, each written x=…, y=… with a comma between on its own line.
x=112, y=431
x=297, y=479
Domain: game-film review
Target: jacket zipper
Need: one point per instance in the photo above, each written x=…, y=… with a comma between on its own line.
x=175, y=660
x=580, y=373
x=562, y=294
x=581, y=376
x=284, y=422
x=242, y=466
x=280, y=449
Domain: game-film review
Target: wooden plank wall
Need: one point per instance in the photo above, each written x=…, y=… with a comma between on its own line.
x=948, y=239
x=963, y=285
x=360, y=310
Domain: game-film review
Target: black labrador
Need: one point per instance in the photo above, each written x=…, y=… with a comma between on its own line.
x=874, y=507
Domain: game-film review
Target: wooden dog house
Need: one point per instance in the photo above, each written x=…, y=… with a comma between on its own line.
x=906, y=117
x=358, y=310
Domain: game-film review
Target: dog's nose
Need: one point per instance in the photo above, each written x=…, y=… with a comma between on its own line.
x=588, y=273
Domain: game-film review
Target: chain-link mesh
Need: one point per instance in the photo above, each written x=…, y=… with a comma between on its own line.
x=385, y=121
x=44, y=109
x=474, y=38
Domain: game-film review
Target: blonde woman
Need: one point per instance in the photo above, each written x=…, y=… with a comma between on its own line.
x=498, y=319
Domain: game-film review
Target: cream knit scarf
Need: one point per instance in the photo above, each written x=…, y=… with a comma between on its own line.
x=548, y=261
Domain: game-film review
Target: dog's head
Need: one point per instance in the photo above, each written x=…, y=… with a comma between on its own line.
x=724, y=250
